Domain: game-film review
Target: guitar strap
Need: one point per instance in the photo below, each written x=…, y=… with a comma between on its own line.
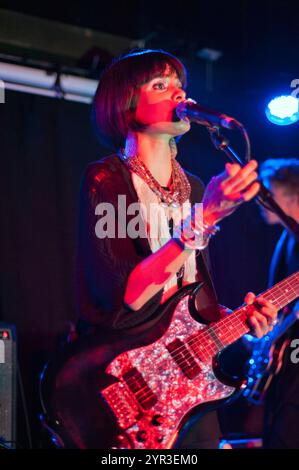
x=180, y=273
x=206, y=299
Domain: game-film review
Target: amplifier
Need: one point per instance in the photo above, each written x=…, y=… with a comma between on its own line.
x=8, y=374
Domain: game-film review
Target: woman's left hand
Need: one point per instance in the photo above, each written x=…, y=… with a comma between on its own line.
x=263, y=317
x=227, y=191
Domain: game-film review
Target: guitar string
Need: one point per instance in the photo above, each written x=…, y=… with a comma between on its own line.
x=227, y=335
x=184, y=363
x=145, y=392
x=228, y=321
x=234, y=320
x=210, y=349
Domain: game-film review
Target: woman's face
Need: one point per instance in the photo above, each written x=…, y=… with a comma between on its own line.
x=158, y=99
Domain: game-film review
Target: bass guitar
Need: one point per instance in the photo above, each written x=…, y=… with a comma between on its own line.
x=136, y=389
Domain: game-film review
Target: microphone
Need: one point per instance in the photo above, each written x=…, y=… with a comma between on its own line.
x=204, y=116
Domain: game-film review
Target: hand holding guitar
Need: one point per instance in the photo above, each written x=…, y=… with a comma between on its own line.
x=263, y=317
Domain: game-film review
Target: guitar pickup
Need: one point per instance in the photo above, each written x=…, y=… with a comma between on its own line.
x=139, y=387
x=184, y=359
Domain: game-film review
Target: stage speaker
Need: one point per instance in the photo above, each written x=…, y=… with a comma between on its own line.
x=8, y=375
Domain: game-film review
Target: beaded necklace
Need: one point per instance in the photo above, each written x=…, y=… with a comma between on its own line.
x=180, y=189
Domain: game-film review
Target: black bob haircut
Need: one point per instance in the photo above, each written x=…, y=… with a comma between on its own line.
x=116, y=97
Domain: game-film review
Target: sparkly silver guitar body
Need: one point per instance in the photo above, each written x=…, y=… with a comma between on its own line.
x=137, y=388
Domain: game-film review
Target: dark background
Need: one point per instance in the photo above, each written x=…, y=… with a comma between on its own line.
x=46, y=144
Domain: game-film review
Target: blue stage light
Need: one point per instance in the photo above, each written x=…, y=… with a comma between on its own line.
x=283, y=110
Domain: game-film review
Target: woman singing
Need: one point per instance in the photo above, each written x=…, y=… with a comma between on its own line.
x=122, y=279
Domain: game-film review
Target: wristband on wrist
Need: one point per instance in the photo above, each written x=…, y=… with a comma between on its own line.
x=193, y=236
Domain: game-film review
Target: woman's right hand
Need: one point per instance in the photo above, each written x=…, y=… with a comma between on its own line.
x=229, y=190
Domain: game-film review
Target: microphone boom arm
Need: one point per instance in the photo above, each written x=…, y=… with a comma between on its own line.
x=264, y=196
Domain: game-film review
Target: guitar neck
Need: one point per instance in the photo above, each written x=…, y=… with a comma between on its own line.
x=226, y=331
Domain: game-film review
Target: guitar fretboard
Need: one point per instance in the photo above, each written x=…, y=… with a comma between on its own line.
x=212, y=339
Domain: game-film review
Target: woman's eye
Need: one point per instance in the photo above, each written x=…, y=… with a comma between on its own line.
x=159, y=86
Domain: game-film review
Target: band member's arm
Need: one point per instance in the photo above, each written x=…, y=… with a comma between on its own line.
x=153, y=273
x=223, y=194
x=221, y=198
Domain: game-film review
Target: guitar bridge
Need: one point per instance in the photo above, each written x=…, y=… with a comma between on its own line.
x=122, y=403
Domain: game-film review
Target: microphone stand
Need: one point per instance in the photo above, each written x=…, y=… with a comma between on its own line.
x=264, y=196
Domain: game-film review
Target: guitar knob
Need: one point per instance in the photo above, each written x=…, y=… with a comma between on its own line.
x=157, y=420
x=141, y=436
